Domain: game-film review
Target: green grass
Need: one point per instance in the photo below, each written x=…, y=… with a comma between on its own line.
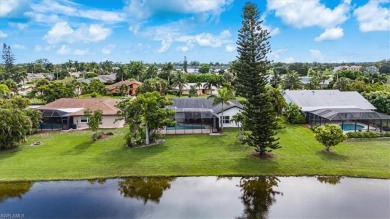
x=73, y=156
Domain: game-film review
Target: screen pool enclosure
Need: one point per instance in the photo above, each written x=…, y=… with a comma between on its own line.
x=193, y=121
x=350, y=119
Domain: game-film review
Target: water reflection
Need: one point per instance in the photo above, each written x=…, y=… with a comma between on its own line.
x=14, y=190
x=200, y=197
x=258, y=195
x=145, y=188
x=98, y=181
x=333, y=180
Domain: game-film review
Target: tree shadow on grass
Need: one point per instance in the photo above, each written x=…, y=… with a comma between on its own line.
x=80, y=148
x=331, y=156
x=267, y=166
x=132, y=155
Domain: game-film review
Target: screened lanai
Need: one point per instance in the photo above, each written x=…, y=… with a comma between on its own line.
x=54, y=119
x=350, y=119
x=193, y=121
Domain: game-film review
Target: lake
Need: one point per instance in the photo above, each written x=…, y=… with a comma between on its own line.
x=198, y=197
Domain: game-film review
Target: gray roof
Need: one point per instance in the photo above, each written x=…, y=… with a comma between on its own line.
x=310, y=100
x=103, y=78
x=188, y=104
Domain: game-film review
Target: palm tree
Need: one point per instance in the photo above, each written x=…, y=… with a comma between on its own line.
x=223, y=97
x=277, y=99
x=292, y=81
x=179, y=81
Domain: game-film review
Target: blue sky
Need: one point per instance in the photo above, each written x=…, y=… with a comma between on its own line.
x=202, y=30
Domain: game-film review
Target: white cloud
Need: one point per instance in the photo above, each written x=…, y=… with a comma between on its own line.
x=47, y=8
x=18, y=46
x=373, y=17
x=317, y=55
x=272, y=31
x=230, y=48
x=2, y=34
x=38, y=48
x=43, y=18
x=141, y=9
x=309, y=13
x=209, y=40
x=20, y=26
x=289, y=60
x=172, y=32
x=9, y=6
x=276, y=54
x=330, y=34
x=108, y=49
x=165, y=45
x=80, y=52
x=189, y=45
x=62, y=32
x=65, y=50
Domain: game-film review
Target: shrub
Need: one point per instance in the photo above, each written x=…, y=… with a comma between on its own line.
x=293, y=114
x=96, y=136
x=367, y=134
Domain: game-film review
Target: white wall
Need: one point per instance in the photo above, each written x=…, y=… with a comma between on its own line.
x=107, y=122
x=230, y=112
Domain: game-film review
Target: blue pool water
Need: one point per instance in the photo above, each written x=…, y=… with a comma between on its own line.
x=351, y=127
x=186, y=127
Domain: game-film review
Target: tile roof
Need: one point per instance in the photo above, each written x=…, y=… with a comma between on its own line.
x=117, y=85
x=107, y=105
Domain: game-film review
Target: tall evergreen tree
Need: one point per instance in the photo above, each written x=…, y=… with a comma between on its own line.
x=253, y=47
x=8, y=58
x=185, y=64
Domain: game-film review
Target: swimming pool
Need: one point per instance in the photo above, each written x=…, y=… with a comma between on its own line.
x=351, y=127
x=186, y=127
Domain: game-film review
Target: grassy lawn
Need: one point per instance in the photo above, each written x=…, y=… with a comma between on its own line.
x=73, y=156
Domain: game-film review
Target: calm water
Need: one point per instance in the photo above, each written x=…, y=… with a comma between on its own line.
x=199, y=197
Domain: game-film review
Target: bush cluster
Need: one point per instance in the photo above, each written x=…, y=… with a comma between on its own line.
x=367, y=134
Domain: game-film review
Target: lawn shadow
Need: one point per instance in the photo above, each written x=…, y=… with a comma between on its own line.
x=331, y=156
x=134, y=155
x=80, y=148
x=265, y=166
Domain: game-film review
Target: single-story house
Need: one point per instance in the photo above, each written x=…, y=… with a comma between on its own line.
x=346, y=67
x=131, y=84
x=201, y=90
x=67, y=113
x=349, y=109
x=305, y=80
x=106, y=79
x=200, y=115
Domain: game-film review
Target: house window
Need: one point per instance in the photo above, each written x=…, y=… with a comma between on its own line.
x=84, y=119
x=225, y=119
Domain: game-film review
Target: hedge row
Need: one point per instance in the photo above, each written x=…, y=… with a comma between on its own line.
x=367, y=134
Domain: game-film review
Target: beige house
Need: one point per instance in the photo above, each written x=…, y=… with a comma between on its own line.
x=67, y=113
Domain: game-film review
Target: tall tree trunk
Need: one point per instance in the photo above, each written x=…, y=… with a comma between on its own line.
x=147, y=133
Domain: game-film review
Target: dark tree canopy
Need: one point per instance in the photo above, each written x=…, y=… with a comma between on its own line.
x=253, y=48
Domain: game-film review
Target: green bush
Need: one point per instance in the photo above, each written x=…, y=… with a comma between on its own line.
x=367, y=134
x=96, y=136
